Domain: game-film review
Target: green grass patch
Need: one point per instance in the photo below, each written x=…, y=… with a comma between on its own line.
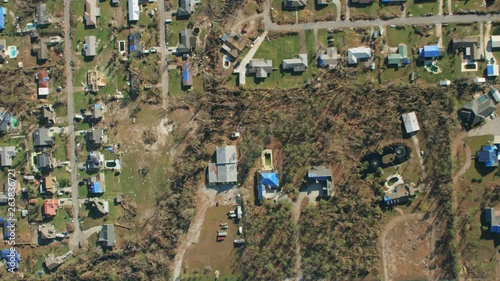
x=175, y=83
x=59, y=150
x=421, y=8
x=173, y=31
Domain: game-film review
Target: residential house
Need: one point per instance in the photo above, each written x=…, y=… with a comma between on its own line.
x=298, y=64
x=134, y=44
x=400, y=194
x=50, y=207
x=115, y=3
x=475, y=111
x=187, y=41
x=43, y=83
x=2, y=18
x=266, y=180
x=92, y=11
x=12, y=259
x=52, y=262
x=430, y=52
x=410, y=122
x=90, y=46
x=95, y=137
x=135, y=83
x=469, y=45
x=489, y=155
x=97, y=112
x=400, y=58
x=261, y=68
x=98, y=184
x=133, y=10
x=47, y=231
x=44, y=162
x=41, y=16
x=329, y=58
x=4, y=127
x=187, y=76
x=492, y=217
x=233, y=47
x=4, y=198
x=355, y=55
x=95, y=160
x=495, y=41
x=294, y=4
x=224, y=170
x=7, y=154
x=492, y=70
x=47, y=115
x=41, y=49
x=101, y=206
x=49, y=185
x=321, y=175
x=42, y=138
x=107, y=235
x=362, y=2
x=186, y=8
x=7, y=225
x=495, y=94
x=392, y=2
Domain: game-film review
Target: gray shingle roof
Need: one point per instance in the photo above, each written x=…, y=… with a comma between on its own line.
x=41, y=137
x=225, y=169
x=6, y=155
x=107, y=235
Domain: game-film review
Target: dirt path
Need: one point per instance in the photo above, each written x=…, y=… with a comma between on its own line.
x=387, y=229
x=303, y=45
x=416, y=144
x=296, y=216
x=459, y=143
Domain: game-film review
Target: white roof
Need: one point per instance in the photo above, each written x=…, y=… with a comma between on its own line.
x=495, y=41
x=410, y=121
x=479, y=79
x=354, y=54
x=444, y=82
x=133, y=10
x=43, y=91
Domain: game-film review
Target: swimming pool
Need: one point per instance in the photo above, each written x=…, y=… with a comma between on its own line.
x=12, y=51
x=30, y=27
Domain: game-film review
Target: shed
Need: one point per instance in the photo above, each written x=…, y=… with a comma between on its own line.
x=410, y=122
x=444, y=82
x=495, y=94
x=495, y=41
x=479, y=80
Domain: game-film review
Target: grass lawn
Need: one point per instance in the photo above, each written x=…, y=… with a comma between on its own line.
x=175, y=82
x=310, y=13
x=458, y=5
x=419, y=8
x=59, y=150
x=407, y=35
x=459, y=30
x=173, y=32
x=372, y=10
x=55, y=7
x=477, y=170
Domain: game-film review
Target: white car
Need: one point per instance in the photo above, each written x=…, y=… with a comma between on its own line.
x=240, y=230
x=231, y=216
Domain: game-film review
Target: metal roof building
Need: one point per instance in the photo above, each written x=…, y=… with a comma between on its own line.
x=90, y=46
x=410, y=121
x=225, y=169
x=492, y=217
x=356, y=54
x=133, y=10
x=495, y=41
x=492, y=70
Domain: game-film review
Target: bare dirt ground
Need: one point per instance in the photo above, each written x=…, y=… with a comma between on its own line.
x=407, y=249
x=205, y=198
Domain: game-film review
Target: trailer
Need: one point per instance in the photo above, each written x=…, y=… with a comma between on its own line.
x=221, y=233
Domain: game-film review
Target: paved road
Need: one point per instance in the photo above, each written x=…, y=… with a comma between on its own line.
x=163, y=49
x=77, y=236
x=364, y=23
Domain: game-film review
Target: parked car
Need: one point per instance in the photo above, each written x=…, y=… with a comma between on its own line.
x=221, y=233
x=239, y=241
x=240, y=230
x=231, y=216
x=220, y=238
x=230, y=213
x=224, y=227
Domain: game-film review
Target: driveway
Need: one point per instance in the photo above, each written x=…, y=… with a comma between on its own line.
x=492, y=127
x=242, y=70
x=488, y=53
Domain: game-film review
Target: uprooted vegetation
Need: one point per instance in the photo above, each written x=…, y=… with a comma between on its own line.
x=329, y=123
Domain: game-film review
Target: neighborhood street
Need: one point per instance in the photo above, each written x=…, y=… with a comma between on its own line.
x=77, y=236
x=163, y=50
x=368, y=23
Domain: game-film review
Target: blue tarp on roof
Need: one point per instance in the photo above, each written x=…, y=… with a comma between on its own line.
x=490, y=70
x=12, y=258
x=185, y=74
x=270, y=179
x=2, y=19
x=429, y=52
x=96, y=187
x=488, y=156
x=97, y=106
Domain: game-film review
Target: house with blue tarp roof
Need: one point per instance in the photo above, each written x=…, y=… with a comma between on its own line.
x=489, y=155
x=12, y=258
x=187, y=77
x=430, y=52
x=492, y=217
x=492, y=70
x=2, y=18
x=266, y=180
x=98, y=184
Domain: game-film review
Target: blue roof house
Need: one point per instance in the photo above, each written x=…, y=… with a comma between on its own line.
x=96, y=188
x=492, y=70
x=97, y=184
x=12, y=258
x=270, y=179
x=489, y=156
x=492, y=217
x=2, y=18
x=429, y=52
